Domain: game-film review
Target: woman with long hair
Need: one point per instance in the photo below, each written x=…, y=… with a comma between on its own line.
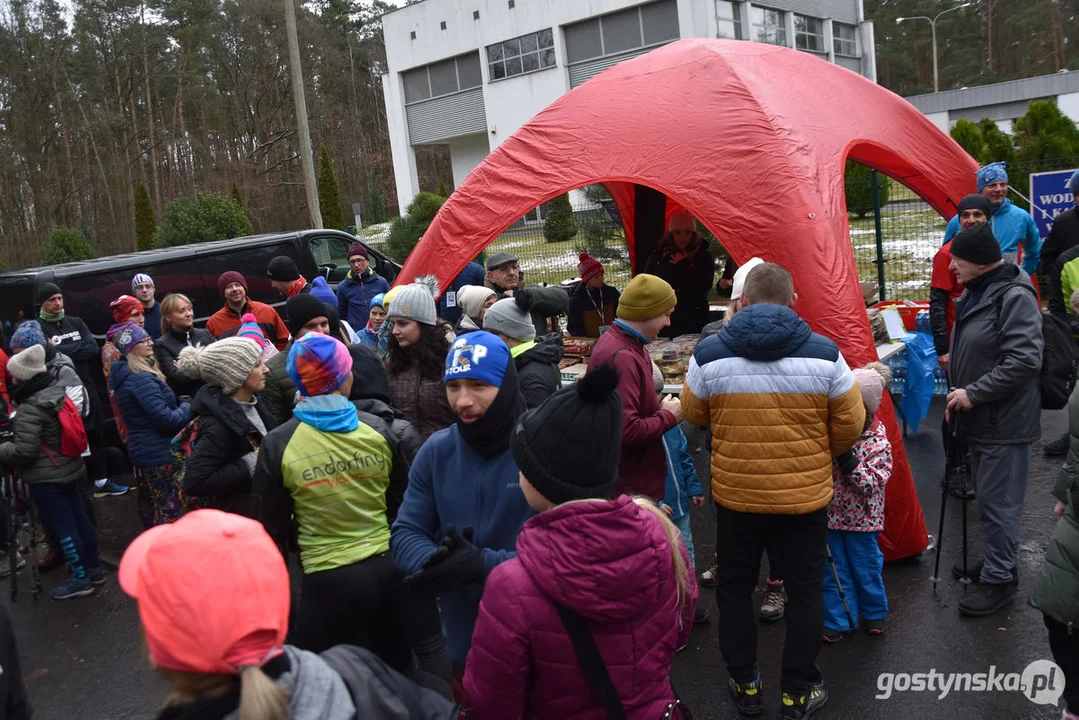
x=417, y=359
x=178, y=331
x=153, y=417
x=682, y=259
x=589, y=571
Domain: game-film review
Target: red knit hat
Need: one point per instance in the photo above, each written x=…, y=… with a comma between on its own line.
x=588, y=267
x=125, y=307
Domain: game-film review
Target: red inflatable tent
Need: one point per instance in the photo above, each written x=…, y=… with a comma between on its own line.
x=752, y=140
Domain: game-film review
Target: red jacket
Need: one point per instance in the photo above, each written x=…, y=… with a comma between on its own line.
x=643, y=464
x=611, y=562
x=273, y=327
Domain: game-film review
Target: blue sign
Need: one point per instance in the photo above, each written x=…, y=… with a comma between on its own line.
x=1051, y=196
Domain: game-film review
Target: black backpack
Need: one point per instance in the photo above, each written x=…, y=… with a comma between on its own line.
x=1059, y=356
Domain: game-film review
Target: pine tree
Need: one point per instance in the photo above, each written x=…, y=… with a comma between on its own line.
x=560, y=224
x=145, y=220
x=329, y=198
x=67, y=245
x=969, y=137
x=238, y=197
x=376, y=206
x=858, y=184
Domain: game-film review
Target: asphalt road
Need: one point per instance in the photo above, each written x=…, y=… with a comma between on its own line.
x=83, y=658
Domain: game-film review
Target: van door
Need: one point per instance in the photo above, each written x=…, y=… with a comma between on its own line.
x=88, y=295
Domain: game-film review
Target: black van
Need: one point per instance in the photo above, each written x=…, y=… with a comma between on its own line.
x=89, y=286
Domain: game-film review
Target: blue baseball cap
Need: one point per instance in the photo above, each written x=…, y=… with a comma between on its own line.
x=478, y=355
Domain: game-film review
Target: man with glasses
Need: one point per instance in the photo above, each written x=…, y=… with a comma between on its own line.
x=362, y=283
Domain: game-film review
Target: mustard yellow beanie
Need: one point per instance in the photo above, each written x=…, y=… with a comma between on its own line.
x=646, y=297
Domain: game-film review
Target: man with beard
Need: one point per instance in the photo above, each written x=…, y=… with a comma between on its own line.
x=464, y=507
x=226, y=321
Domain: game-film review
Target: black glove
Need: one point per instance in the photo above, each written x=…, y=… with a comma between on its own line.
x=454, y=564
x=848, y=462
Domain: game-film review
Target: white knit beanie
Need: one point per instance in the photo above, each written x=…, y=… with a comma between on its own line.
x=472, y=297
x=740, y=275
x=224, y=364
x=417, y=301
x=28, y=363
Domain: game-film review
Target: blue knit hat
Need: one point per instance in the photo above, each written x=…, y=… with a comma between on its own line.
x=478, y=355
x=27, y=335
x=1073, y=183
x=991, y=173
x=377, y=301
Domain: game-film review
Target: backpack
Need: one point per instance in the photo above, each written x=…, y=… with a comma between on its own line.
x=86, y=408
x=1060, y=355
x=183, y=444
x=73, y=441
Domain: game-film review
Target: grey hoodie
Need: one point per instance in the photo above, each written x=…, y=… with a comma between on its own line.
x=315, y=691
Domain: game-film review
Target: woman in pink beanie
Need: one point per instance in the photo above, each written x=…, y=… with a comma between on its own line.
x=856, y=517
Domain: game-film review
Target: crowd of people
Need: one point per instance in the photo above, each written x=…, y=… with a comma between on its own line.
x=476, y=540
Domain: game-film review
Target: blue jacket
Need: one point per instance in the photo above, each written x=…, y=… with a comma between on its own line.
x=1012, y=227
x=353, y=295
x=149, y=410
x=452, y=484
x=368, y=338
x=681, y=482
x=473, y=274
x=321, y=289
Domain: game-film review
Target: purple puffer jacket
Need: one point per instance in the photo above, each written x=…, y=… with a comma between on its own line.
x=609, y=561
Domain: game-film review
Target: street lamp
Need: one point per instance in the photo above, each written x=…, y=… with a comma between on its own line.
x=933, y=23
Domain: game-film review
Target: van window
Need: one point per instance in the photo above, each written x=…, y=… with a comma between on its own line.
x=252, y=262
x=331, y=256
x=16, y=302
x=88, y=295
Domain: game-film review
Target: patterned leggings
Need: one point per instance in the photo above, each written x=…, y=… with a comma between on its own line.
x=159, y=498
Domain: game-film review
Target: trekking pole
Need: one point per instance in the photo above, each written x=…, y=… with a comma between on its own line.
x=11, y=516
x=935, y=579
x=965, y=580
x=838, y=584
x=35, y=572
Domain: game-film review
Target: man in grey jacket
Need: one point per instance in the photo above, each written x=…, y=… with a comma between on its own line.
x=996, y=360
x=504, y=276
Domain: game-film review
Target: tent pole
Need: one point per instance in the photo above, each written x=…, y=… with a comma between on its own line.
x=880, y=233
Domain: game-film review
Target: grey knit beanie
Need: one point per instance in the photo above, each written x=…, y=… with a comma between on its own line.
x=511, y=317
x=224, y=364
x=28, y=363
x=417, y=301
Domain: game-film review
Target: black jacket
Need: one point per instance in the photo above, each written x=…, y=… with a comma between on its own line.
x=215, y=471
x=590, y=310
x=691, y=279
x=1063, y=236
x=13, y=702
x=73, y=338
x=537, y=370
x=407, y=443
x=167, y=348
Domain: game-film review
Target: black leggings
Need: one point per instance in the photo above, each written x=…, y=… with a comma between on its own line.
x=359, y=604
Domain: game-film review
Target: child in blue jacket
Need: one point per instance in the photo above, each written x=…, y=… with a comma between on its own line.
x=681, y=487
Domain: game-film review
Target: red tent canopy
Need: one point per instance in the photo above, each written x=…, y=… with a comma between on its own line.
x=752, y=140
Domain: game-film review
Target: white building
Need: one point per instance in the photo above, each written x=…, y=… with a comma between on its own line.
x=1001, y=102
x=468, y=73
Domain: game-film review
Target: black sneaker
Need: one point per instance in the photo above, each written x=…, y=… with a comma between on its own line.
x=987, y=599
x=1057, y=447
x=700, y=615
x=747, y=696
x=803, y=704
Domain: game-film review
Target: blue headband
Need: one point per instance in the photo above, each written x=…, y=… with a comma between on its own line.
x=991, y=173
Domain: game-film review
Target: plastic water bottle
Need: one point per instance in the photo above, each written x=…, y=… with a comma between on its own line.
x=921, y=322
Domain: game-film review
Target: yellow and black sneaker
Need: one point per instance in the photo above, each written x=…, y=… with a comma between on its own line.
x=747, y=696
x=801, y=705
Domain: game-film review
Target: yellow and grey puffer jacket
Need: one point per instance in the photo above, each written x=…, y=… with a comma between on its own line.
x=781, y=403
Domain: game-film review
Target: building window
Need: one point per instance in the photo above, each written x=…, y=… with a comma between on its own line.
x=844, y=39
x=768, y=26
x=623, y=31
x=525, y=54
x=809, y=34
x=730, y=25
x=442, y=78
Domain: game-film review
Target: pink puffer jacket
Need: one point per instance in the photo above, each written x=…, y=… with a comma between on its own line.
x=609, y=561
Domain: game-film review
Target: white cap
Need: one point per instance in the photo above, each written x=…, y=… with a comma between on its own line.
x=740, y=277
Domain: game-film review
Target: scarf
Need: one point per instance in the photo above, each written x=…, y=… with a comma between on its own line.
x=982, y=281
x=52, y=317
x=21, y=392
x=490, y=434
x=296, y=287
